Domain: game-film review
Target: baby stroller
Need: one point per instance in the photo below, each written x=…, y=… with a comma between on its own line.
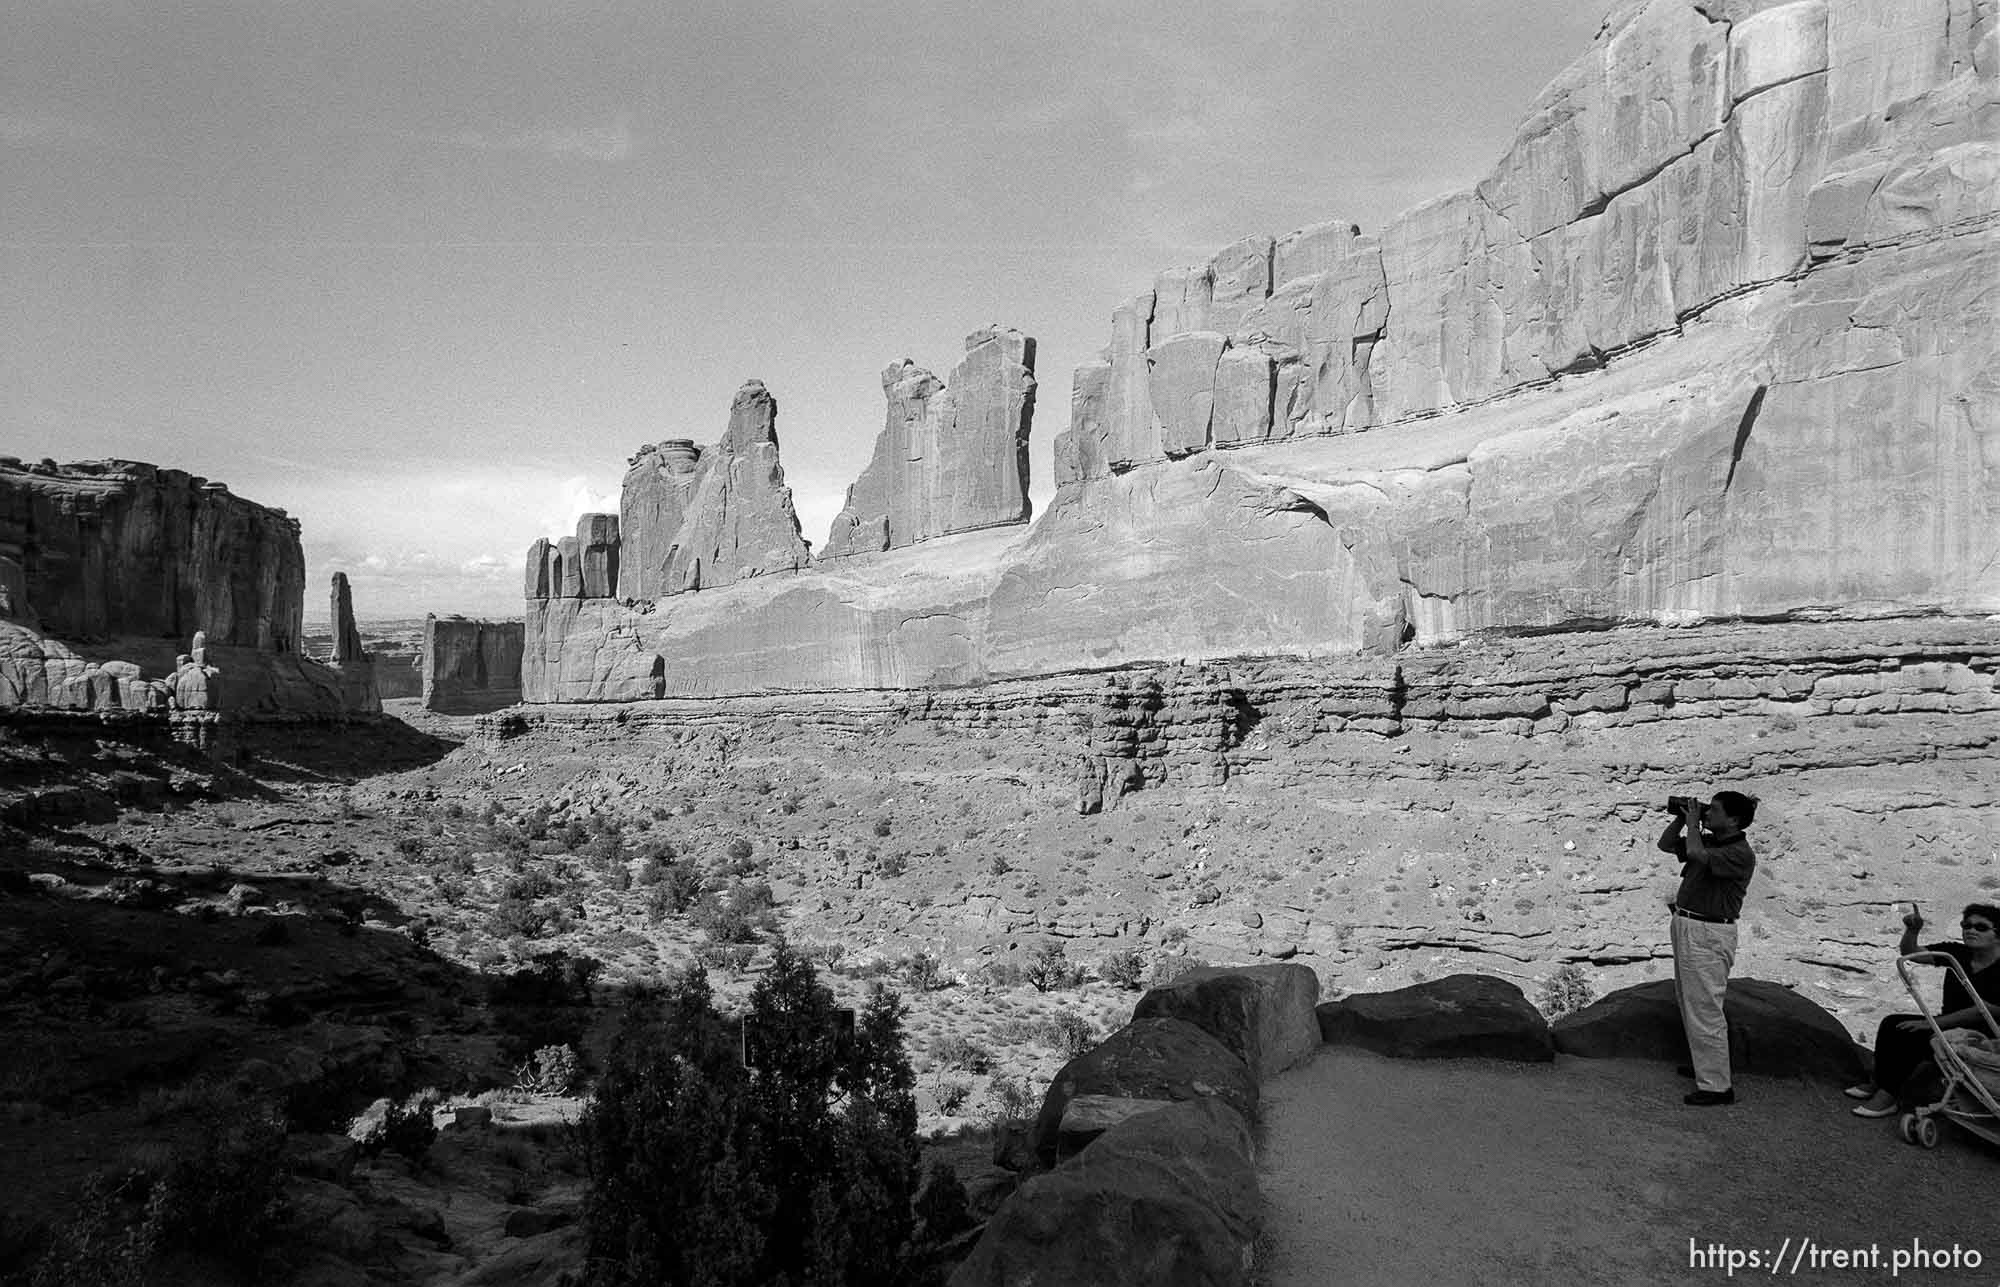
x=1969, y=1059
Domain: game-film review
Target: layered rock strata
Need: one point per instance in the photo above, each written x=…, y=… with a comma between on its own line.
x=1713, y=340
x=471, y=666
x=953, y=455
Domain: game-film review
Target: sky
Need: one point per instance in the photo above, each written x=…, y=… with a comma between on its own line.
x=426, y=273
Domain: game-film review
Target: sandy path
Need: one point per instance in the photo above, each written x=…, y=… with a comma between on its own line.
x=1592, y=1172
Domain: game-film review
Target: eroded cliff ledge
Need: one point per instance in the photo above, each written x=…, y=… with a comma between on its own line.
x=1715, y=338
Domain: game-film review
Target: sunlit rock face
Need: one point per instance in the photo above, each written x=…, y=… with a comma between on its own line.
x=106, y=548
x=953, y=454
x=693, y=519
x=1717, y=336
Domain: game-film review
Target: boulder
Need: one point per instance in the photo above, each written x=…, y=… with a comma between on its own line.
x=1262, y=1013
x=1168, y=1059
x=1164, y=1199
x=1086, y=1117
x=1465, y=1016
x=1773, y=1031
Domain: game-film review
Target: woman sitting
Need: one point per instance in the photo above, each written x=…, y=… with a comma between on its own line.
x=1903, y=1041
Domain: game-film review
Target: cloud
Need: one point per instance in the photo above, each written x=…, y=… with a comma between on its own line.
x=575, y=498
x=45, y=129
x=607, y=144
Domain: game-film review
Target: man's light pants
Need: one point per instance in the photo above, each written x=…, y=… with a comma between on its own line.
x=1703, y=954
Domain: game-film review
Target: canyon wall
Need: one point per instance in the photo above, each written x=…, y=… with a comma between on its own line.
x=1715, y=338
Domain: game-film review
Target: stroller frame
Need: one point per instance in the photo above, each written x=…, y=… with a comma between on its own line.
x=1967, y=1100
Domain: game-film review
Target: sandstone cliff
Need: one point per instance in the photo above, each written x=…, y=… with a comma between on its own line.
x=953, y=456
x=471, y=666
x=110, y=569
x=1715, y=338
x=116, y=547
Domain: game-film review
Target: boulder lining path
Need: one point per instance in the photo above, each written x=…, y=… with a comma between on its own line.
x=1385, y=1171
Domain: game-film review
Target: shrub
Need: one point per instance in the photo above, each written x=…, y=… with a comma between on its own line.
x=1123, y=969
x=1071, y=1034
x=1003, y=974
x=551, y=1070
x=410, y=846
x=963, y=1053
x=1010, y=1098
x=1566, y=990
x=881, y=826
x=892, y=864
x=1049, y=969
x=408, y=1127
x=704, y=1170
x=952, y=1092
x=1169, y=968
x=944, y=1209
x=737, y=850
x=922, y=971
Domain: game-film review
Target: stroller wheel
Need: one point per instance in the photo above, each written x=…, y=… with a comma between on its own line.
x=1908, y=1126
x=1927, y=1132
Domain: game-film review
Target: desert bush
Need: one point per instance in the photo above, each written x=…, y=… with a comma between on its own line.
x=892, y=864
x=407, y=1128
x=701, y=1169
x=1049, y=969
x=1123, y=968
x=737, y=850
x=1003, y=974
x=882, y=827
x=410, y=846
x=944, y=1208
x=551, y=1070
x=730, y=959
x=1168, y=968
x=922, y=971
x=1070, y=1034
x=826, y=956
x=999, y=866
x=1009, y=1098
x=1566, y=990
x=952, y=1092
x=963, y=1053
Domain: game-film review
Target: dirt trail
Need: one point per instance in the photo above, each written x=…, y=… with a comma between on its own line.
x=1381, y=1171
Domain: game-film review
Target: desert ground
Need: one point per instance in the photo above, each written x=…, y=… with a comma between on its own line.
x=362, y=901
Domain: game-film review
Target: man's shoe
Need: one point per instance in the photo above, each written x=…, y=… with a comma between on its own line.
x=1866, y=1090
x=1875, y=1110
x=1708, y=1098
x=1684, y=1070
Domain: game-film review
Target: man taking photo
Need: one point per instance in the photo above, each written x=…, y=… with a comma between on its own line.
x=1716, y=864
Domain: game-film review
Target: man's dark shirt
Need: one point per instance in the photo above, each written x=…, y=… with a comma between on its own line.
x=1985, y=982
x=1716, y=887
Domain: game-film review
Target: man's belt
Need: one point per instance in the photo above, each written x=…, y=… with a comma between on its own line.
x=1678, y=910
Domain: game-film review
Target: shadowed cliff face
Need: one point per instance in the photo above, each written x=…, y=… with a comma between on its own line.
x=1714, y=338
x=108, y=548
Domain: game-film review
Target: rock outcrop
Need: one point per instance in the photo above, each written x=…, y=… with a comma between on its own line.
x=109, y=568
x=693, y=520
x=108, y=548
x=953, y=456
x=471, y=666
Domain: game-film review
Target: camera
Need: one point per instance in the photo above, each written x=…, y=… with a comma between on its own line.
x=1677, y=804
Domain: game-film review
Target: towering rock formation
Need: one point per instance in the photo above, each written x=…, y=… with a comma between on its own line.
x=952, y=457
x=1715, y=337
x=346, y=635
x=471, y=666
x=115, y=547
x=693, y=520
